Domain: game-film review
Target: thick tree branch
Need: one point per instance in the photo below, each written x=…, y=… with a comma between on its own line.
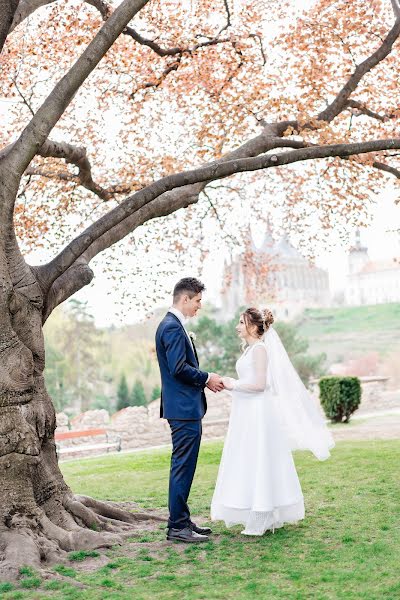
x=74, y=279
x=164, y=205
x=7, y=12
x=173, y=200
x=203, y=174
x=77, y=156
x=396, y=8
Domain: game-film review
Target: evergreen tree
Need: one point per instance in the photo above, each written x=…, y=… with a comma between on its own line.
x=81, y=341
x=156, y=393
x=138, y=396
x=122, y=393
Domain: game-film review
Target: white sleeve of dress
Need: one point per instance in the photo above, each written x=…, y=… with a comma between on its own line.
x=259, y=382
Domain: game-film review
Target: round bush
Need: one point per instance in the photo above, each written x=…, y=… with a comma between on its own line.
x=340, y=397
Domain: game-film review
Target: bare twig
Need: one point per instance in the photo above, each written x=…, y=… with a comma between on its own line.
x=24, y=100
x=215, y=212
x=259, y=39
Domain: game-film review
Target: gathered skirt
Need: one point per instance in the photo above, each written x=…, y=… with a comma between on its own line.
x=257, y=484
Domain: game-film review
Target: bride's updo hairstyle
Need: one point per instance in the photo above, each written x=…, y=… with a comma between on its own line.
x=261, y=319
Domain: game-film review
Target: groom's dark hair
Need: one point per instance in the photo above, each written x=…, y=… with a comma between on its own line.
x=189, y=286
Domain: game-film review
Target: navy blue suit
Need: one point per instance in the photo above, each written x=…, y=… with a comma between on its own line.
x=183, y=403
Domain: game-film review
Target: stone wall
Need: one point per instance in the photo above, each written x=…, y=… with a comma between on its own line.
x=141, y=427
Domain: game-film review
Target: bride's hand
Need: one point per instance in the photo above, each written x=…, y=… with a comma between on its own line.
x=228, y=383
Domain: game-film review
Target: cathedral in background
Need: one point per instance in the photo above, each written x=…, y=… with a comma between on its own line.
x=289, y=283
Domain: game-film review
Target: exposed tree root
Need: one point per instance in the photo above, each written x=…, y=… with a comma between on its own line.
x=88, y=524
x=108, y=509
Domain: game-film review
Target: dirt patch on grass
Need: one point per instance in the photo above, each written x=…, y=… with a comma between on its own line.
x=385, y=427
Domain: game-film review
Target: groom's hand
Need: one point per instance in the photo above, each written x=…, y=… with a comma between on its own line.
x=215, y=383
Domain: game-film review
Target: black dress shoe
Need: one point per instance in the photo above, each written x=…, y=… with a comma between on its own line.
x=187, y=536
x=201, y=530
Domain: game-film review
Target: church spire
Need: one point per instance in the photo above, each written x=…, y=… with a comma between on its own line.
x=358, y=255
x=267, y=246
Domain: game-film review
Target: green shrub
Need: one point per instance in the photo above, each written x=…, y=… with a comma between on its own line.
x=340, y=397
x=30, y=582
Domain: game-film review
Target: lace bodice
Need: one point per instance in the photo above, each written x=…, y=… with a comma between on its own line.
x=252, y=370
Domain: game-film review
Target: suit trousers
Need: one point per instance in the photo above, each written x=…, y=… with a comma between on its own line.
x=186, y=437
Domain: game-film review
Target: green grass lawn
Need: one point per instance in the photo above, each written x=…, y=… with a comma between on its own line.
x=348, y=331
x=348, y=546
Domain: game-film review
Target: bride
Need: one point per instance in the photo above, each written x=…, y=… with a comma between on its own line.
x=272, y=414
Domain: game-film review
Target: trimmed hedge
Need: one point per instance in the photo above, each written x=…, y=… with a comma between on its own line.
x=340, y=397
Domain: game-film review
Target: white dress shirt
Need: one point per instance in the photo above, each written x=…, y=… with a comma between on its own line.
x=175, y=311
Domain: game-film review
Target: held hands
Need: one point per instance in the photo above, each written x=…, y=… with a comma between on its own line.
x=228, y=383
x=215, y=383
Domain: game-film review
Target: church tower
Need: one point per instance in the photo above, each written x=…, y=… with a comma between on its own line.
x=358, y=256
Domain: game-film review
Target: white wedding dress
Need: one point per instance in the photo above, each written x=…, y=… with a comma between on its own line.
x=257, y=484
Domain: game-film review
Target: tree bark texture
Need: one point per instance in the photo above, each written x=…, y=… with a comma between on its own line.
x=40, y=518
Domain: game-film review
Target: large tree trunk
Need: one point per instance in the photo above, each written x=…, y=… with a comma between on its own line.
x=40, y=518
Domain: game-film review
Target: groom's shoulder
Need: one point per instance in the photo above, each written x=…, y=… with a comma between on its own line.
x=168, y=322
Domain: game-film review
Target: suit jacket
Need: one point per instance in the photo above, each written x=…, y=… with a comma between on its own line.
x=182, y=382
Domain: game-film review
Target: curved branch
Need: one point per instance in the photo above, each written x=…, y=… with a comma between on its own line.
x=203, y=174
x=25, y=9
x=28, y=7
x=168, y=203
x=77, y=156
x=181, y=197
x=387, y=168
x=164, y=205
x=74, y=279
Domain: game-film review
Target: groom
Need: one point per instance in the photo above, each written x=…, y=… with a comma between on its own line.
x=183, y=404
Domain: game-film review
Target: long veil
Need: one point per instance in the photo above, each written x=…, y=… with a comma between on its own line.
x=300, y=417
